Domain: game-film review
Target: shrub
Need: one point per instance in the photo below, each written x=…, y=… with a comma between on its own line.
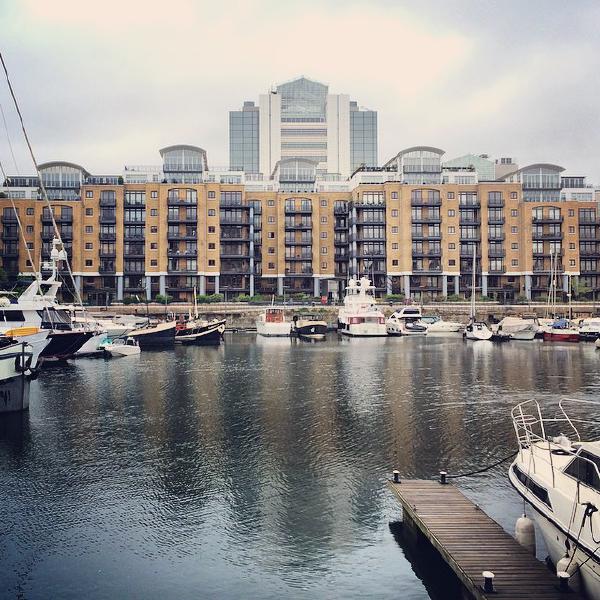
x=453, y=298
x=209, y=298
x=521, y=299
x=394, y=297
x=163, y=299
x=130, y=300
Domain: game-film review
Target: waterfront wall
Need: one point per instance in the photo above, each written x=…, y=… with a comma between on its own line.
x=243, y=316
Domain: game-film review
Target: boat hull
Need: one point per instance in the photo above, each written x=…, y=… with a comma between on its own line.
x=210, y=334
x=561, y=336
x=362, y=329
x=14, y=394
x=273, y=329
x=64, y=344
x=122, y=350
x=161, y=336
x=311, y=331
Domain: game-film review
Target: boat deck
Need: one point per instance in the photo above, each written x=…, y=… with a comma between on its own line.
x=471, y=542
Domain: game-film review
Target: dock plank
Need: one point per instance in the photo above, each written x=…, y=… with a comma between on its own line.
x=471, y=542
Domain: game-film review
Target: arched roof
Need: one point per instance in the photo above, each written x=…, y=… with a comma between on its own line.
x=62, y=163
x=414, y=149
x=182, y=147
x=549, y=166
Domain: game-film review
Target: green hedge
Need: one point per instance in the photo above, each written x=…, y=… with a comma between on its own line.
x=394, y=297
x=209, y=298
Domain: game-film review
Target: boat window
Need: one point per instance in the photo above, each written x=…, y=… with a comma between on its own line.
x=538, y=491
x=274, y=316
x=582, y=468
x=55, y=319
x=11, y=315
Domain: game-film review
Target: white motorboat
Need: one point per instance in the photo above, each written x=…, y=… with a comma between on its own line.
x=475, y=330
x=589, y=329
x=435, y=324
x=360, y=317
x=16, y=360
x=37, y=340
x=122, y=347
x=597, y=344
x=516, y=328
x=556, y=473
x=406, y=321
x=272, y=323
x=310, y=327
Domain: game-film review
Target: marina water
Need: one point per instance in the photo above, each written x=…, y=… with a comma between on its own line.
x=257, y=469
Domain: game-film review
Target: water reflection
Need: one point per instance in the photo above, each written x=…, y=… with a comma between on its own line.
x=257, y=469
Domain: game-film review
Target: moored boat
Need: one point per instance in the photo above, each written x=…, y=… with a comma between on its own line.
x=272, y=323
x=475, y=330
x=360, y=317
x=309, y=327
x=516, y=328
x=589, y=329
x=16, y=360
x=406, y=321
x=561, y=330
x=160, y=335
x=200, y=331
x=435, y=324
x=122, y=347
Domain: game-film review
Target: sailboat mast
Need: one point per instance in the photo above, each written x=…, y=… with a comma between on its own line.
x=473, y=281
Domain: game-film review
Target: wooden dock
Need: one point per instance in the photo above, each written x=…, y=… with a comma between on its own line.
x=471, y=542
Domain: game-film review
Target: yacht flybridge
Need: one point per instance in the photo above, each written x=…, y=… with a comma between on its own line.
x=360, y=317
x=557, y=474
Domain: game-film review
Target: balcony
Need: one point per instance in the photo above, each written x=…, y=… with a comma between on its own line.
x=190, y=219
x=499, y=237
x=372, y=254
x=589, y=220
x=177, y=235
x=298, y=272
x=108, y=219
x=290, y=210
x=547, y=219
x=177, y=201
x=363, y=222
x=497, y=270
x=240, y=221
x=107, y=269
x=297, y=226
x=469, y=203
x=10, y=251
x=426, y=201
x=590, y=238
x=307, y=257
x=108, y=236
x=340, y=210
x=182, y=253
x=426, y=236
x=496, y=203
x=363, y=238
x=133, y=236
x=470, y=221
x=427, y=270
x=305, y=242
x=594, y=253
x=337, y=227
x=542, y=268
x=234, y=255
x=127, y=221
x=108, y=203
x=340, y=257
x=9, y=218
x=108, y=254
x=468, y=253
x=496, y=220
x=10, y=235
x=496, y=252
x=546, y=235
x=427, y=253
x=340, y=241
x=434, y=219
x=473, y=238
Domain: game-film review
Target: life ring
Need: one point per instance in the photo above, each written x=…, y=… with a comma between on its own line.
x=23, y=365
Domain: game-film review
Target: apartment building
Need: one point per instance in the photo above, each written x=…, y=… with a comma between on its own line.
x=412, y=226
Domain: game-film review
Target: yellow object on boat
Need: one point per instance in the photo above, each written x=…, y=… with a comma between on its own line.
x=21, y=331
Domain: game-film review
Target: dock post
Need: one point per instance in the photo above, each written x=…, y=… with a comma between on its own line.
x=443, y=477
x=563, y=581
x=396, y=476
x=488, y=582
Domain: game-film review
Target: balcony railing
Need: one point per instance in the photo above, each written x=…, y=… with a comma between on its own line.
x=290, y=210
x=426, y=202
x=547, y=219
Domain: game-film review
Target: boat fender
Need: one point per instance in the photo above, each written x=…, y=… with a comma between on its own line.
x=23, y=362
x=525, y=533
x=567, y=565
x=33, y=374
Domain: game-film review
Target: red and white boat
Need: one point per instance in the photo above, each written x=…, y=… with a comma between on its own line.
x=561, y=330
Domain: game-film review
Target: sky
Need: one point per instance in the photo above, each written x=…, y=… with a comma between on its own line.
x=107, y=83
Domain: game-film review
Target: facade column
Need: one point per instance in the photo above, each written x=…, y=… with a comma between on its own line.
x=528, y=286
x=566, y=284
x=444, y=285
x=252, y=283
x=280, y=285
x=251, y=251
x=484, y=289
x=457, y=285
x=119, y=288
x=78, y=283
x=317, y=287
x=202, y=291
x=407, y=286
x=163, y=285
x=148, y=288
x=388, y=285
x=216, y=284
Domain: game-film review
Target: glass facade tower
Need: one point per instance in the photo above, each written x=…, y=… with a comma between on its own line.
x=243, y=139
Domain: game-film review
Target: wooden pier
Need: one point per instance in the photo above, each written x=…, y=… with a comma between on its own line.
x=471, y=542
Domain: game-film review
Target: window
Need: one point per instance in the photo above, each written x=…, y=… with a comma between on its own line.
x=28, y=263
x=89, y=212
x=212, y=212
x=571, y=263
x=514, y=230
x=323, y=202
x=452, y=246
x=154, y=194
x=394, y=195
x=513, y=195
x=30, y=245
x=452, y=229
x=394, y=229
x=271, y=235
x=154, y=212
x=571, y=246
x=452, y=262
x=271, y=250
x=211, y=246
x=395, y=246
x=30, y=211
x=137, y=198
x=583, y=468
x=89, y=246
x=271, y=265
x=451, y=212
x=271, y=202
x=450, y=195
x=29, y=228
x=212, y=195
x=154, y=263
x=514, y=212
x=323, y=235
x=89, y=229
x=571, y=212
x=89, y=262
x=323, y=265
x=323, y=249
x=323, y=219
x=271, y=219
x=154, y=229
x=153, y=246
x=89, y=194
x=394, y=212
x=514, y=262
x=571, y=229
x=211, y=262
x=514, y=246
x=394, y=262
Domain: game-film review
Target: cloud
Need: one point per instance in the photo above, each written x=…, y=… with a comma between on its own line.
x=108, y=83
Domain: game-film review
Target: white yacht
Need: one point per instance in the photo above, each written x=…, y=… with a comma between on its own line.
x=435, y=324
x=475, y=330
x=556, y=473
x=272, y=322
x=360, y=317
x=122, y=347
x=589, y=329
x=516, y=328
x=406, y=321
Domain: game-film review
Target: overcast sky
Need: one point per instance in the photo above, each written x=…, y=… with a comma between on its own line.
x=108, y=83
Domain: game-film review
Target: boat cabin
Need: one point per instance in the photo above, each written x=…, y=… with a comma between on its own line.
x=274, y=315
x=585, y=466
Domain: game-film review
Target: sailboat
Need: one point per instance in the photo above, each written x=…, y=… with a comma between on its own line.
x=199, y=331
x=475, y=330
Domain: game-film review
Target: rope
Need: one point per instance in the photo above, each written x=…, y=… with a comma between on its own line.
x=8, y=140
x=484, y=469
x=42, y=186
